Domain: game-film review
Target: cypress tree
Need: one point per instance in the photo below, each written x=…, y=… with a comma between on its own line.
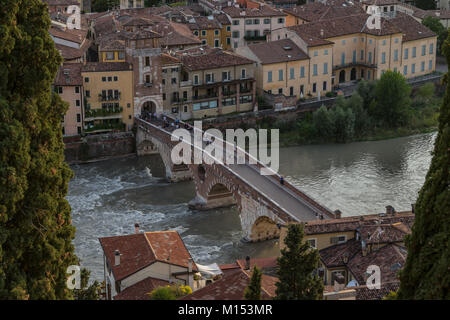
x=35, y=222
x=253, y=291
x=426, y=274
x=296, y=268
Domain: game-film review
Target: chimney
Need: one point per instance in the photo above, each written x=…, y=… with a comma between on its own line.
x=390, y=210
x=190, y=274
x=247, y=263
x=321, y=32
x=337, y=214
x=136, y=228
x=116, y=258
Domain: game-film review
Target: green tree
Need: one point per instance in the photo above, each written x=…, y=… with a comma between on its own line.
x=435, y=25
x=343, y=123
x=366, y=90
x=392, y=100
x=253, y=291
x=425, y=4
x=426, y=273
x=323, y=123
x=296, y=268
x=87, y=292
x=36, y=229
x=361, y=119
x=104, y=5
x=170, y=292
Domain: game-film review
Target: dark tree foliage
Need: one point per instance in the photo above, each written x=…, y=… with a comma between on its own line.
x=425, y=4
x=435, y=25
x=426, y=274
x=36, y=230
x=253, y=291
x=296, y=268
x=104, y=5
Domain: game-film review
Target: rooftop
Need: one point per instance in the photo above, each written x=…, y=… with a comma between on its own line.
x=140, y=290
x=138, y=251
x=106, y=66
x=278, y=51
x=69, y=74
x=262, y=11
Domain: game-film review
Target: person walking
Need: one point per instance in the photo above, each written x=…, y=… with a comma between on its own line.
x=281, y=180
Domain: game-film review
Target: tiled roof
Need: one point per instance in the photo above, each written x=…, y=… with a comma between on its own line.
x=386, y=233
x=334, y=256
x=223, y=19
x=261, y=263
x=231, y=287
x=140, y=290
x=69, y=74
x=317, y=11
x=204, y=23
x=106, y=66
x=352, y=223
x=105, y=24
x=263, y=11
x=278, y=51
x=390, y=258
x=411, y=28
x=167, y=59
x=73, y=35
x=208, y=58
x=140, y=250
x=175, y=34
x=364, y=293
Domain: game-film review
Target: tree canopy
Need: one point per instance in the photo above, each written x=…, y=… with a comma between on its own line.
x=425, y=4
x=253, y=291
x=426, y=273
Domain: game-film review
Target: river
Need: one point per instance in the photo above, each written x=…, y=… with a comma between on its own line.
x=109, y=197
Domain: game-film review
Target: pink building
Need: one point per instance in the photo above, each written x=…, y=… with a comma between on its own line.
x=68, y=84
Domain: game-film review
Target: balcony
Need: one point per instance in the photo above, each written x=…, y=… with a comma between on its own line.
x=179, y=100
x=148, y=84
x=103, y=113
x=255, y=38
x=245, y=90
x=103, y=127
x=114, y=97
x=187, y=83
x=206, y=96
x=228, y=93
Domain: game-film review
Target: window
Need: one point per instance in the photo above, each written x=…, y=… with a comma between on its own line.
x=325, y=52
x=280, y=75
x=422, y=66
x=269, y=76
x=203, y=32
x=370, y=57
x=77, y=103
x=431, y=48
x=235, y=22
x=302, y=72
x=414, y=52
x=243, y=73
x=413, y=68
x=396, y=40
x=228, y=40
x=430, y=65
x=370, y=41
x=110, y=56
x=77, y=89
x=280, y=20
x=60, y=90
x=291, y=91
x=196, y=79
x=314, y=87
x=78, y=117
x=235, y=34
x=147, y=78
x=343, y=58
x=280, y=91
x=226, y=76
x=147, y=61
x=302, y=89
x=228, y=28
x=163, y=82
x=164, y=96
x=355, y=40
x=109, y=79
x=116, y=78
x=343, y=42
x=384, y=42
x=216, y=32
x=209, y=77
x=311, y=242
x=292, y=74
x=324, y=86
x=185, y=108
x=405, y=70
x=88, y=93
x=325, y=68
x=79, y=130
x=249, y=21
x=315, y=70
x=121, y=55
x=266, y=21
x=104, y=79
x=406, y=53
x=338, y=239
x=203, y=42
x=361, y=55
x=235, y=45
x=396, y=55
x=383, y=57
x=196, y=33
x=316, y=53
x=354, y=56
x=216, y=43
x=424, y=50
x=256, y=21
x=174, y=80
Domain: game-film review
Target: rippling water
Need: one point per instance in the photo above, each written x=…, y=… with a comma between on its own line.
x=109, y=197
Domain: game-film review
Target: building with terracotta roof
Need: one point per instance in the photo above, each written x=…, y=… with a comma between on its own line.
x=69, y=85
x=138, y=263
x=214, y=31
x=202, y=82
x=361, y=52
x=285, y=69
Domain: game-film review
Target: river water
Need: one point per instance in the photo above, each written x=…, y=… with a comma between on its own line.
x=109, y=197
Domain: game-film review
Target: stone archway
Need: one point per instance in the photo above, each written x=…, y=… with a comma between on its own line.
x=264, y=228
x=149, y=106
x=353, y=74
x=149, y=103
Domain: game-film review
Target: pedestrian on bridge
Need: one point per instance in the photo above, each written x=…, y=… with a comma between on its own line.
x=281, y=180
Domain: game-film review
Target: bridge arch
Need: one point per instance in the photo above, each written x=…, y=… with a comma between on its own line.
x=148, y=104
x=264, y=228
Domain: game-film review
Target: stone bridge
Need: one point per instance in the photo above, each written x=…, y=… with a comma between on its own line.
x=262, y=201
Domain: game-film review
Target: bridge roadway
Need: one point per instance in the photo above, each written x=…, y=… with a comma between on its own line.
x=294, y=205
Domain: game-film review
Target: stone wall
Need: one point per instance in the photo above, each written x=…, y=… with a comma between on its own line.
x=99, y=146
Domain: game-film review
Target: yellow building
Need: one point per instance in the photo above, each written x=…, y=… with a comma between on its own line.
x=212, y=31
x=401, y=44
x=109, y=94
x=284, y=68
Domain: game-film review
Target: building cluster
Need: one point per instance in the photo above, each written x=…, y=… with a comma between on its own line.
x=139, y=263
x=216, y=57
